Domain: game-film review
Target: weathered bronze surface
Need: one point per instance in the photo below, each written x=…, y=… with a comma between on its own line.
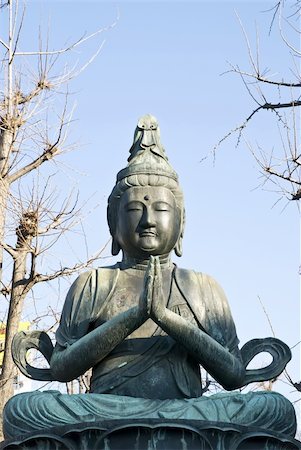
x=145, y=326
x=153, y=434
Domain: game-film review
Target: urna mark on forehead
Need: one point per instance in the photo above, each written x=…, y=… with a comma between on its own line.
x=148, y=195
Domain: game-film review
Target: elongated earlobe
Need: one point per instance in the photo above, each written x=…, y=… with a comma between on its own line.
x=179, y=244
x=115, y=247
x=178, y=247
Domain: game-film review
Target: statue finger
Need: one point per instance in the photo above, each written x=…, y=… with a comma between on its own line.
x=148, y=285
x=157, y=277
x=149, y=275
x=158, y=270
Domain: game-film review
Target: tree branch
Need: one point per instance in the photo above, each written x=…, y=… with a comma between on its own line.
x=45, y=156
x=261, y=78
x=291, y=104
x=9, y=249
x=21, y=99
x=4, y=44
x=288, y=177
x=70, y=47
x=267, y=106
x=65, y=271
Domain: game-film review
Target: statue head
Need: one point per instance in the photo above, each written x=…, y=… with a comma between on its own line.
x=145, y=209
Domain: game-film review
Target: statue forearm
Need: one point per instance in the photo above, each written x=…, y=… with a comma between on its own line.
x=208, y=352
x=69, y=363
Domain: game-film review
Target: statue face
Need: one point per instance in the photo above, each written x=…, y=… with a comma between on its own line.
x=148, y=221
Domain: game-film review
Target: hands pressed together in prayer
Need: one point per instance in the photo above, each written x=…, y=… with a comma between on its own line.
x=152, y=303
x=205, y=349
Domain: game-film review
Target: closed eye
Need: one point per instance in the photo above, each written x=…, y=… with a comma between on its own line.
x=134, y=206
x=162, y=206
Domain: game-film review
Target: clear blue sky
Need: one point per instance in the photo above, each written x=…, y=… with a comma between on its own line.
x=166, y=58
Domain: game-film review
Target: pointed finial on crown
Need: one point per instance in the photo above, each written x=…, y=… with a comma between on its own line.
x=147, y=137
x=147, y=155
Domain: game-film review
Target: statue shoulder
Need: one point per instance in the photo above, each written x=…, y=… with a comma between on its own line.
x=91, y=281
x=200, y=280
x=84, y=303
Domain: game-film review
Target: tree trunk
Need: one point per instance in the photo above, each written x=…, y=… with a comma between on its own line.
x=14, y=316
x=4, y=187
x=6, y=138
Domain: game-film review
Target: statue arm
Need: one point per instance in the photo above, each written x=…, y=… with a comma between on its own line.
x=67, y=363
x=227, y=368
x=71, y=361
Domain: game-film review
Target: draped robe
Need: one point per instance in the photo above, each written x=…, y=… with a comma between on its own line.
x=152, y=377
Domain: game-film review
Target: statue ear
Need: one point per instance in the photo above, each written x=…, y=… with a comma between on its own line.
x=178, y=247
x=179, y=244
x=115, y=247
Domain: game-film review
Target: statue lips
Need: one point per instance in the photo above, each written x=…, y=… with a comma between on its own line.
x=148, y=238
x=148, y=233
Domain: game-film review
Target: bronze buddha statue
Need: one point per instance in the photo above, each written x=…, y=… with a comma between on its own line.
x=145, y=326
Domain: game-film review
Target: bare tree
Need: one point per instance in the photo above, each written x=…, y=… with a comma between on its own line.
x=32, y=217
x=279, y=95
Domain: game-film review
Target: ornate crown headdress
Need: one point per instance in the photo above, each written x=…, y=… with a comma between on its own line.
x=147, y=155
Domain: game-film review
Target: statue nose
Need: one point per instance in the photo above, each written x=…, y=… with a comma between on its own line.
x=147, y=219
